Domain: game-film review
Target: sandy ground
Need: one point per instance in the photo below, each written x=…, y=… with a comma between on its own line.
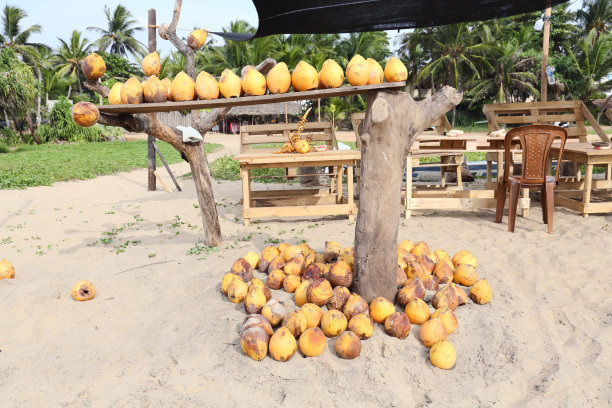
x=159, y=332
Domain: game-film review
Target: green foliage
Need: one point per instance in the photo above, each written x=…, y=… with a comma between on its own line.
x=18, y=87
x=49, y=163
x=9, y=136
x=226, y=168
x=61, y=127
x=119, y=68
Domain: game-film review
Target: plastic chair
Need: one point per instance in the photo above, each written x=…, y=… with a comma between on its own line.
x=535, y=142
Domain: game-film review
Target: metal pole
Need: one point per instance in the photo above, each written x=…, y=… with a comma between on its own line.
x=151, y=139
x=545, y=45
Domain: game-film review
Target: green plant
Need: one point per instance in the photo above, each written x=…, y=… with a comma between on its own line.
x=62, y=127
x=9, y=136
x=226, y=168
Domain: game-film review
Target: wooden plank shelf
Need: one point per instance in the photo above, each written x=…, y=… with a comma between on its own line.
x=247, y=100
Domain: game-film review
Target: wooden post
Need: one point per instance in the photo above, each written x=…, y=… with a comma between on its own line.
x=286, y=113
x=150, y=138
x=392, y=121
x=545, y=45
x=319, y=108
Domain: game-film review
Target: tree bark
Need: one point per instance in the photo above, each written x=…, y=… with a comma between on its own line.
x=392, y=121
x=38, y=98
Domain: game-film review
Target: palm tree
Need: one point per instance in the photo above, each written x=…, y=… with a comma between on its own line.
x=237, y=54
x=119, y=35
x=595, y=16
x=56, y=83
x=456, y=54
x=510, y=80
x=374, y=44
x=593, y=60
x=69, y=57
x=13, y=37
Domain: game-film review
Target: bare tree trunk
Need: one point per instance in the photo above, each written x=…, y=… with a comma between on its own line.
x=391, y=123
x=38, y=98
x=6, y=119
x=69, y=90
x=203, y=183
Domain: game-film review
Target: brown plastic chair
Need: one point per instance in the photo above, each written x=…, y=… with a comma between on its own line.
x=535, y=142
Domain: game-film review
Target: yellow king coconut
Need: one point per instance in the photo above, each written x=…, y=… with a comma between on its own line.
x=254, y=83
x=331, y=74
x=168, y=84
x=154, y=90
x=93, y=66
x=229, y=84
x=151, y=65
x=282, y=344
x=197, y=39
x=114, y=96
x=357, y=71
x=85, y=114
x=304, y=77
x=131, y=91
x=376, y=72
x=183, y=88
x=206, y=86
x=279, y=79
x=395, y=70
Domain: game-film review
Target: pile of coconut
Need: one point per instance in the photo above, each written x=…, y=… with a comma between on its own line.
x=321, y=282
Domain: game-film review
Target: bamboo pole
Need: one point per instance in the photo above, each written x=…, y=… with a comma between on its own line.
x=545, y=46
x=152, y=186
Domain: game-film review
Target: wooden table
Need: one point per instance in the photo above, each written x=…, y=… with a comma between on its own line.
x=297, y=202
x=445, y=197
x=587, y=196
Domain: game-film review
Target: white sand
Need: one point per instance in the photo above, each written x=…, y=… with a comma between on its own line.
x=159, y=332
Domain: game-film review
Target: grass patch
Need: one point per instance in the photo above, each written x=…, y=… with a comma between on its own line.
x=43, y=165
x=469, y=156
x=226, y=168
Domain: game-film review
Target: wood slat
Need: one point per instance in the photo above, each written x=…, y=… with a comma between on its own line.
x=248, y=100
x=280, y=127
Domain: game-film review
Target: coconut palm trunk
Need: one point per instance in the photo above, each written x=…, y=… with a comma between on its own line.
x=38, y=98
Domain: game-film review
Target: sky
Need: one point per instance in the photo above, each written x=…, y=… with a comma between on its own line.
x=59, y=18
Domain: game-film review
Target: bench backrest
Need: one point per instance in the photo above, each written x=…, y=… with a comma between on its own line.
x=252, y=135
x=540, y=113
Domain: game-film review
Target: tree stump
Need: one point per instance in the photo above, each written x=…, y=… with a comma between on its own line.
x=392, y=121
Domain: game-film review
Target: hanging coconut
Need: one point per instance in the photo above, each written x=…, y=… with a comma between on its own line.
x=93, y=66
x=196, y=39
x=85, y=114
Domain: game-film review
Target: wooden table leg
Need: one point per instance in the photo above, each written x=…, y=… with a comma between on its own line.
x=407, y=212
x=586, y=194
x=246, y=195
x=339, y=184
x=500, y=165
x=609, y=171
x=349, y=190
x=525, y=211
x=459, y=176
x=489, y=172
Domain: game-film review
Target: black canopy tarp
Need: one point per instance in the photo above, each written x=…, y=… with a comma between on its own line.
x=347, y=16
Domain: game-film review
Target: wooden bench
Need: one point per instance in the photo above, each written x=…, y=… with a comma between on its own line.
x=295, y=202
x=253, y=135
